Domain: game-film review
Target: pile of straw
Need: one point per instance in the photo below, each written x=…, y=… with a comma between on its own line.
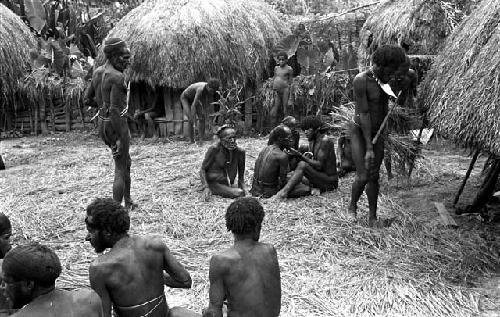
x=176, y=42
x=313, y=94
x=423, y=24
x=461, y=90
x=16, y=41
x=329, y=266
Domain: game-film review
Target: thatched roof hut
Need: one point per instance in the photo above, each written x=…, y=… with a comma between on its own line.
x=15, y=41
x=421, y=24
x=177, y=42
x=462, y=89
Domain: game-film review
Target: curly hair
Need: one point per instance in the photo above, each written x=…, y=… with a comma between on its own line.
x=386, y=55
x=108, y=215
x=279, y=133
x=243, y=215
x=282, y=54
x=311, y=122
x=213, y=83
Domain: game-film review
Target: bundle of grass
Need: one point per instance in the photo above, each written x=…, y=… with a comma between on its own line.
x=461, y=91
x=16, y=41
x=418, y=25
x=313, y=94
x=176, y=42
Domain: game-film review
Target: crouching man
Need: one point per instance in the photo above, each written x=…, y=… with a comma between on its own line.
x=247, y=275
x=29, y=274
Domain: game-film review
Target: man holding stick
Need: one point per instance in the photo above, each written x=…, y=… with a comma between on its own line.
x=371, y=95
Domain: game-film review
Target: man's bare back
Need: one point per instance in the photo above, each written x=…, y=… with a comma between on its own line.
x=250, y=273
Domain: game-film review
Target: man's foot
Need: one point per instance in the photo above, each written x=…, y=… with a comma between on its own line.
x=131, y=205
x=315, y=192
x=352, y=215
x=372, y=222
x=281, y=195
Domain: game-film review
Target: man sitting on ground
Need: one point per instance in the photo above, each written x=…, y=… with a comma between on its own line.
x=5, y=234
x=221, y=164
x=346, y=164
x=131, y=276
x=271, y=167
x=321, y=169
x=29, y=275
x=247, y=275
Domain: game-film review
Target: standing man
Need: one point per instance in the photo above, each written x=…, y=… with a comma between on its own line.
x=113, y=113
x=247, y=275
x=282, y=82
x=271, y=167
x=371, y=109
x=29, y=274
x=320, y=169
x=193, y=104
x=131, y=276
x=221, y=164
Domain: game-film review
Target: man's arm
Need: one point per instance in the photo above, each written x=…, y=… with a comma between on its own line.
x=362, y=109
x=283, y=162
x=97, y=283
x=176, y=275
x=216, y=292
x=340, y=147
x=196, y=99
x=205, y=165
x=241, y=168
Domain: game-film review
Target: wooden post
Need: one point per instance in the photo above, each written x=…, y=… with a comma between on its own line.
x=52, y=113
x=35, y=120
x=249, y=109
x=67, y=114
x=471, y=166
x=446, y=218
x=169, y=109
x=43, y=116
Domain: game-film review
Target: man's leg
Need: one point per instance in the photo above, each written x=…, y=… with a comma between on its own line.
x=388, y=163
x=372, y=188
x=150, y=124
x=273, y=113
x=285, y=95
x=186, y=109
x=296, y=178
x=358, y=156
x=201, y=125
x=2, y=165
x=225, y=190
x=119, y=181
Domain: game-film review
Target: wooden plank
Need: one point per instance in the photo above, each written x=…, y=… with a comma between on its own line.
x=169, y=110
x=446, y=218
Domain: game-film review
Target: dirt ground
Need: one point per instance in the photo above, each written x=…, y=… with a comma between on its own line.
x=49, y=181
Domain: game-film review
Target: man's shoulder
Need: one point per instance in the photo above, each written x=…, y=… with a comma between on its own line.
x=362, y=76
x=86, y=297
x=240, y=150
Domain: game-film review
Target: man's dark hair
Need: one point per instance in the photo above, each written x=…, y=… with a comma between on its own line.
x=309, y=122
x=288, y=120
x=282, y=54
x=32, y=262
x=278, y=133
x=213, y=83
x=107, y=214
x=243, y=215
x=386, y=55
x=4, y=224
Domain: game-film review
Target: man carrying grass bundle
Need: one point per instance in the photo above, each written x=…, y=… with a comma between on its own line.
x=367, y=141
x=247, y=275
x=29, y=275
x=221, y=164
x=193, y=104
x=131, y=276
x=320, y=169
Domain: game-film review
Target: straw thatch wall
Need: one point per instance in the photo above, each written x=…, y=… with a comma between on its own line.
x=462, y=89
x=177, y=42
x=15, y=42
x=421, y=24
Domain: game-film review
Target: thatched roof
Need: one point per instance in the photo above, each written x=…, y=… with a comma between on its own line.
x=462, y=89
x=177, y=42
x=15, y=42
x=423, y=24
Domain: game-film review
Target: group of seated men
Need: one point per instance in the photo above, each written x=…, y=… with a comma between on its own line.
x=129, y=279
x=282, y=169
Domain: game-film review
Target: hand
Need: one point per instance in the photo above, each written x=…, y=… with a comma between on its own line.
x=206, y=194
x=369, y=158
x=293, y=151
x=308, y=155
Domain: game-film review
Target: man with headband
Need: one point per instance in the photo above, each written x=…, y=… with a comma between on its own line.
x=113, y=112
x=221, y=164
x=29, y=274
x=132, y=275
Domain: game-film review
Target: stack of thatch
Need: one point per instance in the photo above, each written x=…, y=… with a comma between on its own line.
x=177, y=42
x=16, y=41
x=421, y=24
x=462, y=89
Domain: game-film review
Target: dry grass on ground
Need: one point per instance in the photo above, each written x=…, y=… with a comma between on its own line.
x=329, y=266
